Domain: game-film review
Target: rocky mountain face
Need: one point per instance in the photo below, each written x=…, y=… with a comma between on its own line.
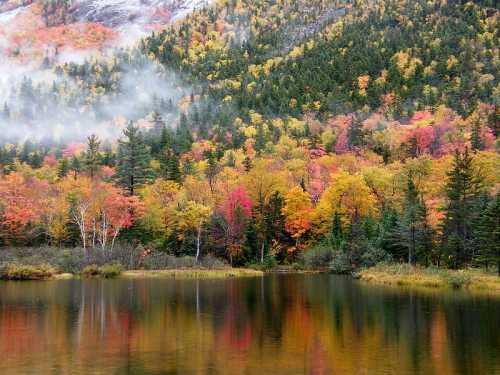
x=117, y=13
x=39, y=28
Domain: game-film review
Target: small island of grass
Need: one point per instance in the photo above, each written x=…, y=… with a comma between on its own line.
x=430, y=277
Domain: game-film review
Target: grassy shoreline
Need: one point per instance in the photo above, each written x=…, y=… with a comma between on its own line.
x=405, y=275
x=194, y=273
x=180, y=273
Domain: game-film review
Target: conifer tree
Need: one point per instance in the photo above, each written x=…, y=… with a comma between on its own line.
x=75, y=166
x=462, y=190
x=133, y=169
x=92, y=156
x=247, y=163
x=183, y=136
x=476, y=140
x=487, y=234
x=63, y=167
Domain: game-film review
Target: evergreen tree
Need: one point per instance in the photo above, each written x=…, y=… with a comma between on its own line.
x=487, y=233
x=462, y=190
x=260, y=140
x=247, y=164
x=133, y=169
x=172, y=168
x=63, y=168
x=158, y=123
x=75, y=166
x=183, y=136
x=231, y=159
x=250, y=247
x=477, y=142
x=211, y=170
x=414, y=232
x=337, y=233
x=92, y=156
x=188, y=168
x=355, y=134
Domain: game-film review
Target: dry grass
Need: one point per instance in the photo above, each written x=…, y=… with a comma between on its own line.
x=405, y=275
x=195, y=273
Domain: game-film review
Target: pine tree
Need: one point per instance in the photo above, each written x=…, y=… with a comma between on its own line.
x=337, y=233
x=462, y=190
x=250, y=247
x=477, y=142
x=487, y=233
x=231, y=159
x=92, y=156
x=415, y=234
x=75, y=166
x=173, y=171
x=355, y=134
x=211, y=170
x=133, y=169
x=158, y=123
x=63, y=168
x=260, y=140
x=183, y=136
x=247, y=163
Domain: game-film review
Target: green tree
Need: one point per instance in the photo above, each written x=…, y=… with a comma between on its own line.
x=477, y=142
x=462, y=191
x=133, y=169
x=63, y=168
x=183, y=136
x=487, y=234
x=75, y=166
x=92, y=157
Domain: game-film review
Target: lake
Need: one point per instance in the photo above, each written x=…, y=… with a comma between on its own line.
x=278, y=324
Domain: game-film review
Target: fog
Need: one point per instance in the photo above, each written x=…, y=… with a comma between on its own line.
x=60, y=103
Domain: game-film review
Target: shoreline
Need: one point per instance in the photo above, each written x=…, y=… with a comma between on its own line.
x=179, y=273
x=430, y=278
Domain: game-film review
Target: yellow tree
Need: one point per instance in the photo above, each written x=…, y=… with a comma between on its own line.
x=349, y=196
x=159, y=207
x=262, y=181
x=192, y=216
x=297, y=211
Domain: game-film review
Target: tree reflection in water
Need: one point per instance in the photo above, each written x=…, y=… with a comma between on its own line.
x=289, y=324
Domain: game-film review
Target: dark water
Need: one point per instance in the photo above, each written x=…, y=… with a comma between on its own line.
x=281, y=324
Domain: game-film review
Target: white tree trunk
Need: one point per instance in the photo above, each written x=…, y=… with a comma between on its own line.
x=198, y=241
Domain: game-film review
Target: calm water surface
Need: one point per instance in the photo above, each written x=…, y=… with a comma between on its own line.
x=280, y=324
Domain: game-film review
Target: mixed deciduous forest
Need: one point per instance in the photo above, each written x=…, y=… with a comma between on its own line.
x=318, y=133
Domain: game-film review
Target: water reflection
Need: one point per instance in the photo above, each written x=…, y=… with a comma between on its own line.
x=282, y=324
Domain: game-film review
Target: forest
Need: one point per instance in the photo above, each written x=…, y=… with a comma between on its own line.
x=318, y=134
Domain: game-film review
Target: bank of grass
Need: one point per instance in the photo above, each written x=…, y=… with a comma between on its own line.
x=15, y=271
x=430, y=277
x=107, y=271
x=193, y=273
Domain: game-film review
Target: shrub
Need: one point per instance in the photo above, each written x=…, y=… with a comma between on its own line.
x=156, y=261
x=341, y=264
x=457, y=280
x=14, y=271
x=184, y=262
x=373, y=256
x=91, y=270
x=318, y=256
x=211, y=262
x=111, y=270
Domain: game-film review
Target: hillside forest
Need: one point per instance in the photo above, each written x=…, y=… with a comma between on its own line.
x=320, y=132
